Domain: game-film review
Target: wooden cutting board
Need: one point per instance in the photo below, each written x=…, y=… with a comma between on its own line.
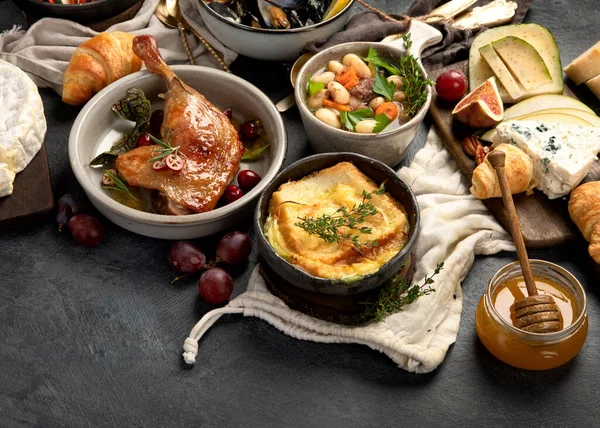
x=32, y=199
x=545, y=223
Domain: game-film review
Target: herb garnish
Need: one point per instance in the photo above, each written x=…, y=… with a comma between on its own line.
x=397, y=294
x=381, y=86
x=373, y=57
x=136, y=108
x=166, y=150
x=314, y=87
x=350, y=118
x=414, y=82
x=328, y=227
x=119, y=185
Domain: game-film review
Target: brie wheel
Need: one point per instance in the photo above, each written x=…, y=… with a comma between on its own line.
x=22, y=123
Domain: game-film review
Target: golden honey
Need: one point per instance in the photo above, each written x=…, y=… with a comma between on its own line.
x=516, y=347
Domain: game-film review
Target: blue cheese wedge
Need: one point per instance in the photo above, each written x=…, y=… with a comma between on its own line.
x=562, y=155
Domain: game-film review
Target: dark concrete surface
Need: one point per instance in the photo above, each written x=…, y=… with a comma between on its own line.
x=92, y=337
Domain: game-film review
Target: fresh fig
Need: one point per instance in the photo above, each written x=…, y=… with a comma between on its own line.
x=482, y=107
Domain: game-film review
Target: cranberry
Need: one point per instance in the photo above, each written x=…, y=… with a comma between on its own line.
x=233, y=193
x=144, y=140
x=250, y=130
x=248, y=179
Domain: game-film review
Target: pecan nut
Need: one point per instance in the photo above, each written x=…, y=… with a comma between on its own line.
x=470, y=145
x=481, y=153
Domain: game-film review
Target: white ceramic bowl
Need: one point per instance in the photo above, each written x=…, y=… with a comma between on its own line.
x=266, y=43
x=390, y=146
x=97, y=128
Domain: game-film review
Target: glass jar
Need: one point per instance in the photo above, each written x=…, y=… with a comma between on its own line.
x=522, y=349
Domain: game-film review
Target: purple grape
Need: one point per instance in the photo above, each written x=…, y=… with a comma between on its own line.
x=215, y=286
x=86, y=230
x=68, y=206
x=186, y=257
x=234, y=248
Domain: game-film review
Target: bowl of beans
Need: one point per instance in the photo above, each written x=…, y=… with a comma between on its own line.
x=368, y=98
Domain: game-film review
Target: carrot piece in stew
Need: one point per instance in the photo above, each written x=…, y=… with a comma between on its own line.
x=329, y=103
x=389, y=109
x=347, y=78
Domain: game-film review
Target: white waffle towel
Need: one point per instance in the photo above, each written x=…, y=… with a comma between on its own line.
x=454, y=228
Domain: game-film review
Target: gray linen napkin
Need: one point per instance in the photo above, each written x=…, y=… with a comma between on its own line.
x=369, y=26
x=44, y=50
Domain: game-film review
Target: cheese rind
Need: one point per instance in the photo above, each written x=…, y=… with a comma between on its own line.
x=585, y=66
x=7, y=177
x=22, y=121
x=562, y=155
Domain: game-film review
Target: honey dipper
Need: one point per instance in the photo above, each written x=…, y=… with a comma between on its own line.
x=537, y=313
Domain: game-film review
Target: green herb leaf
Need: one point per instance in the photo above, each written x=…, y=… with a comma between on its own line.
x=414, y=81
x=382, y=122
x=253, y=154
x=314, y=87
x=383, y=87
x=373, y=57
x=166, y=150
x=397, y=294
x=327, y=227
x=119, y=186
x=134, y=106
x=350, y=118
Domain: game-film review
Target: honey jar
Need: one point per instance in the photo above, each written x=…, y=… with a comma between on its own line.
x=522, y=349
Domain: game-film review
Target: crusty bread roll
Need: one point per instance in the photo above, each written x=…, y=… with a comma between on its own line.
x=519, y=171
x=97, y=63
x=584, y=208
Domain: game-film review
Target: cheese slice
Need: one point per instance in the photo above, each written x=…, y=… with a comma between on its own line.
x=7, y=177
x=22, y=123
x=585, y=66
x=506, y=79
x=562, y=155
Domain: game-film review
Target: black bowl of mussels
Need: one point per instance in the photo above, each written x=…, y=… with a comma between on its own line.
x=273, y=29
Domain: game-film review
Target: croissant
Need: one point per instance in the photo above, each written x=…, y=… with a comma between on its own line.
x=96, y=63
x=584, y=209
x=519, y=171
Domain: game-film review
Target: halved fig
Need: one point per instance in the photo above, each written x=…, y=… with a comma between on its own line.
x=482, y=107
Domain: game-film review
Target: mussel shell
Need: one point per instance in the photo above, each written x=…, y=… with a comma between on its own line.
x=225, y=11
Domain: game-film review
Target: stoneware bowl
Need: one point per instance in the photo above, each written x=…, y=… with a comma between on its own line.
x=270, y=44
x=97, y=128
x=389, y=147
x=372, y=168
x=94, y=11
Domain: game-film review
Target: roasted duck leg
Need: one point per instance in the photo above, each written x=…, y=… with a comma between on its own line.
x=207, y=139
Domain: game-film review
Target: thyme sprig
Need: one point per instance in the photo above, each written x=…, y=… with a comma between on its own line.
x=415, y=82
x=119, y=185
x=397, y=294
x=329, y=227
x=166, y=150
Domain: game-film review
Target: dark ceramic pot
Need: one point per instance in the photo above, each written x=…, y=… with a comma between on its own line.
x=378, y=172
x=95, y=11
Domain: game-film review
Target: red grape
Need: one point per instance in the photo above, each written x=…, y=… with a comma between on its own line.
x=86, y=230
x=215, y=286
x=186, y=257
x=144, y=140
x=248, y=179
x=235, y=247
x=68, y=206
x=233, y=193
x=156, y=120
x=250, y=130
x=451, y=85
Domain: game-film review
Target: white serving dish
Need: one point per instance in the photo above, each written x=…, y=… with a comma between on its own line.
x=97, y=127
